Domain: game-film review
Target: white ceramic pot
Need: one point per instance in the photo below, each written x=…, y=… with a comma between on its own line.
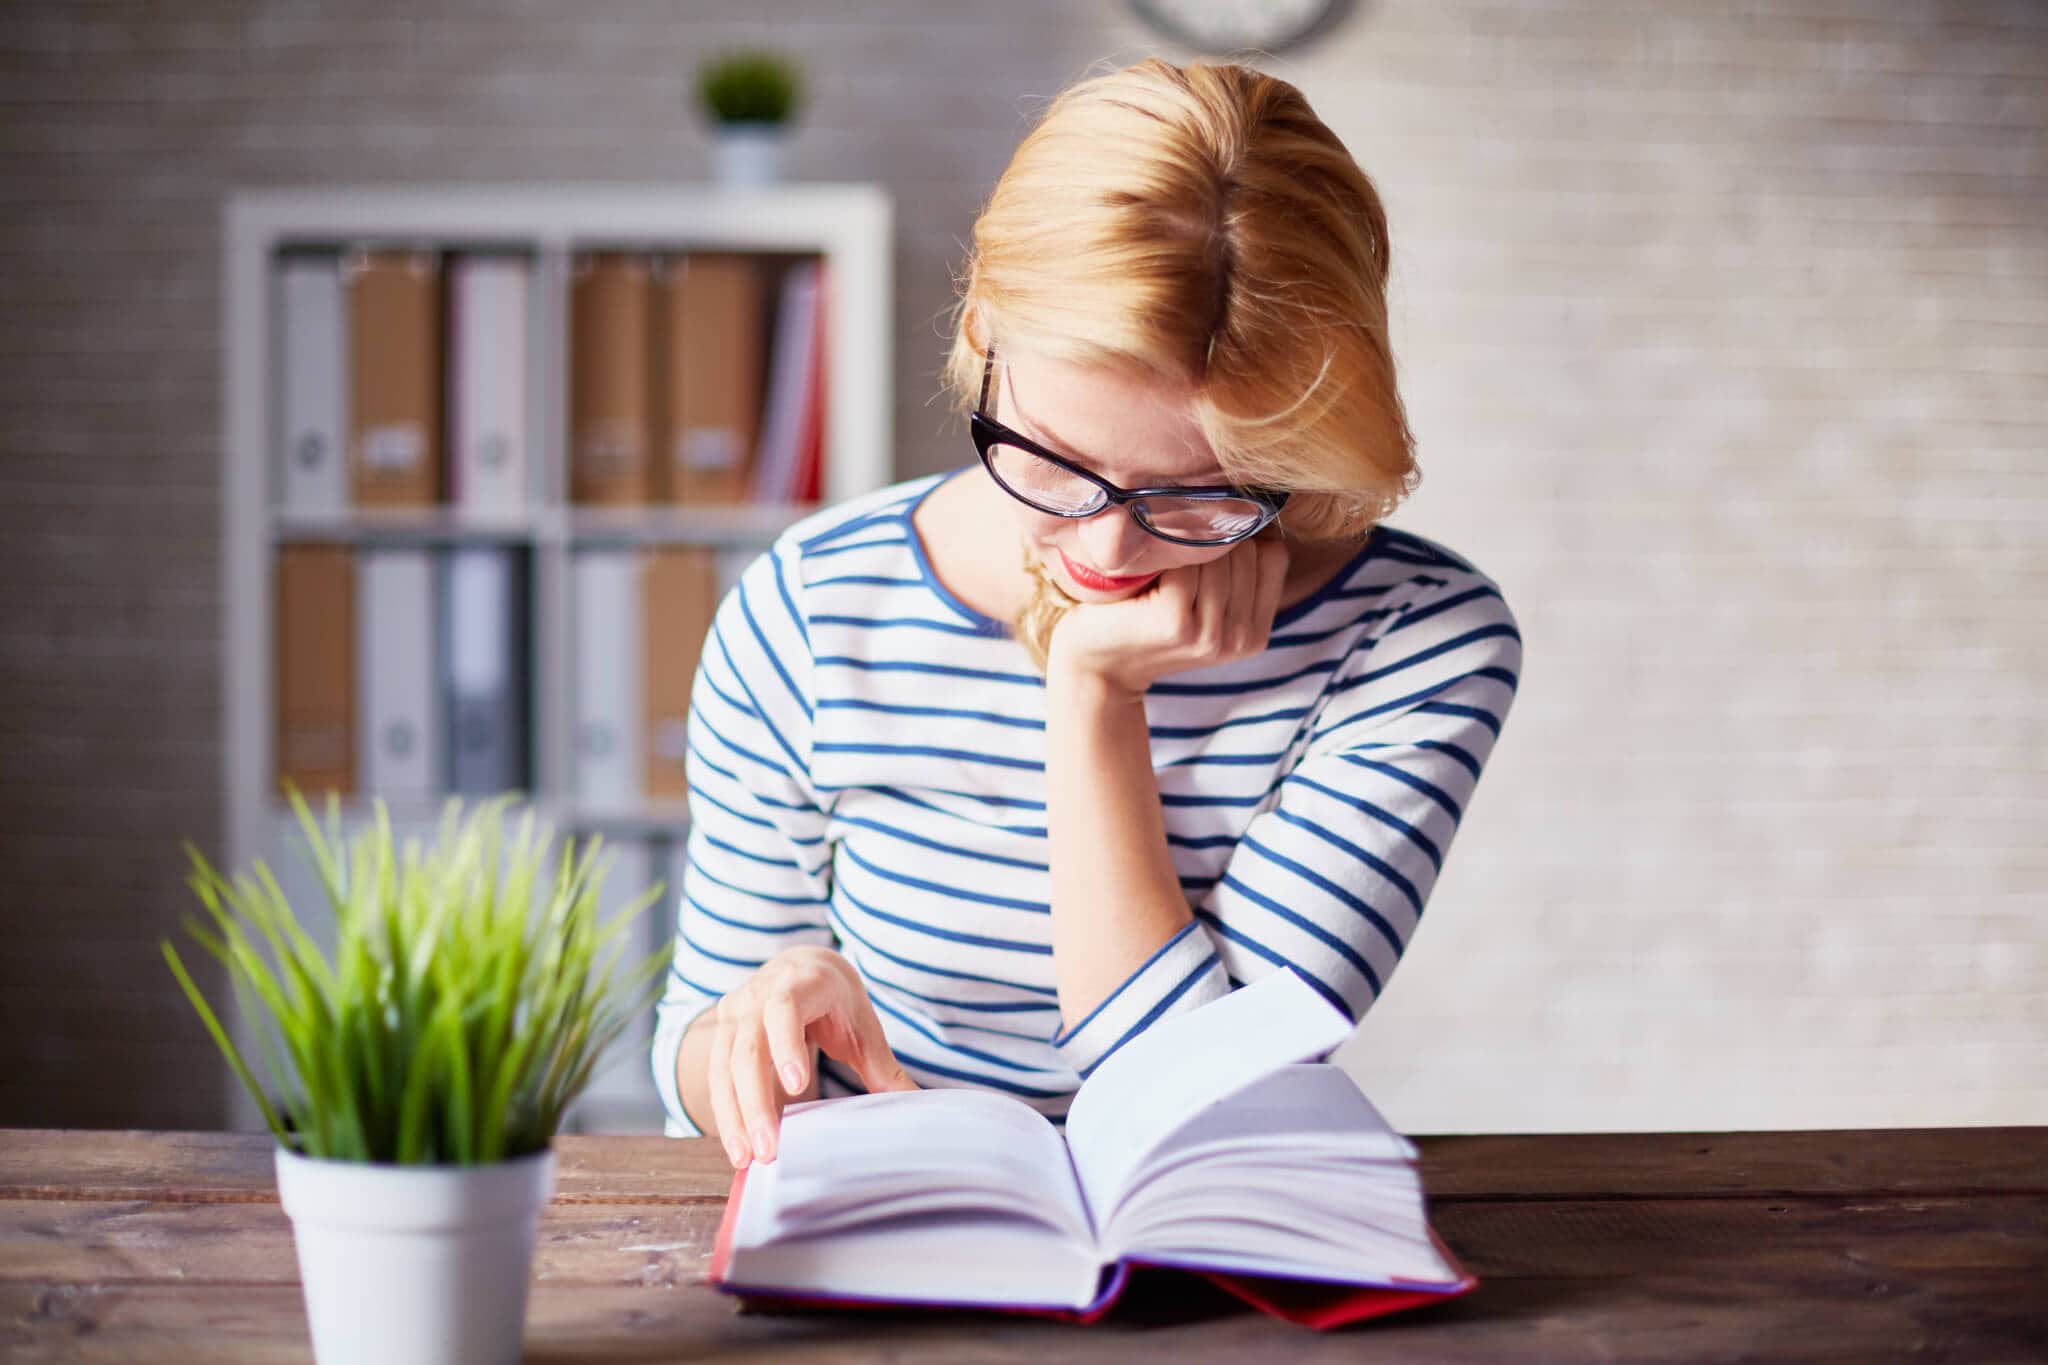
x=749, y=154
x=415, y=1265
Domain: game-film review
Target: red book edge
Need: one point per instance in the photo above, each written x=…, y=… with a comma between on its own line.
x=1309, y=1303
x=811, y=441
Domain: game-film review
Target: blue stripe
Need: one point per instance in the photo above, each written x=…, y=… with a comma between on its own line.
x=1204, y=731
x=852, y=1082
x=962, y=1049
x=888, y=622
x=1309, y=927
x=1224, y=760
x=1387, y=818
x=704, y=676
x=1329, y=993
x=887, y=708
x=1130, y=978
x=753, y=701
x=1324, y=884
x=1444, y=708
x=1031, y=765
x=1022, y=831
x=783, y=864
x=1408, y=779
x=1186, y=983
x=868, y=580
x=1252, y=685
x=1425, y=655
x=924, y=1064
x=1438, y=608
x=702, y=951
x=847, y=549
x=1372, y=861
x=855, y=525
x=698, y=790
x=697, y=870
x=700, y=721
x=845, y=930
x=698, y=987
x=789, y=603
x=934, y=931
x=936, y=670
x=981, y=798
x=775, y=659
x=907, y=837
x=1313, y=636
x=701, y=908
x=941, y=888
x=1420, y=701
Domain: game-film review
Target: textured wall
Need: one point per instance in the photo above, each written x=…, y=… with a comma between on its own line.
x=1722, y=331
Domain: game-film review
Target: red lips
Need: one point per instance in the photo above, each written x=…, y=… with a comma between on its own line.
x=1088, y=578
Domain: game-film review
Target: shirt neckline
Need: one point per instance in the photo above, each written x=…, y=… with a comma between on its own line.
x=983, y=622
x=989, y=625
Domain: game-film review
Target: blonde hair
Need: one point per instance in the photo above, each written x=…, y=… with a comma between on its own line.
x=1200, y=225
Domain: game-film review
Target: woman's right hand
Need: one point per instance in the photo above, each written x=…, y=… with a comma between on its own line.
x=803, y=996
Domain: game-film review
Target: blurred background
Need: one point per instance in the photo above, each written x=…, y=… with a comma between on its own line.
x=1724, y=333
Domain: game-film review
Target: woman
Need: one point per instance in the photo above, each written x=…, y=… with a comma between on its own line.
x=990, y=771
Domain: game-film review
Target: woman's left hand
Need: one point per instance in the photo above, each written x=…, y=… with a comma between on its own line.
x=1189, y=618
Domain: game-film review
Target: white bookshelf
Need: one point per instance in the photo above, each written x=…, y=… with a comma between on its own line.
x=849, y=226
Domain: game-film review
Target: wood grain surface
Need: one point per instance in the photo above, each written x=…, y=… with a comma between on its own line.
x=166, y=1247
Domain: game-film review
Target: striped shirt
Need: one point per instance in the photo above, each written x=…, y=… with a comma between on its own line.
x=866, y=771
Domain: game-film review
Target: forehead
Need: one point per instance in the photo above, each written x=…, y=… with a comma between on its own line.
x=1127, y=427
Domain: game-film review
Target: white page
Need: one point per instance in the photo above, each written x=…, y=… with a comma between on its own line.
x=957, y=1258
x=949, y=1147
x=1155, y=1083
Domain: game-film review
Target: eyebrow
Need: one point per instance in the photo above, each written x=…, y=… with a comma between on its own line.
x=1047, y=436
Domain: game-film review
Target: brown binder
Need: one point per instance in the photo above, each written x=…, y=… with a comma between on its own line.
x=316, y=668
x=394, y=309
x=710, y=325
x=609, y=378
x=678, y=597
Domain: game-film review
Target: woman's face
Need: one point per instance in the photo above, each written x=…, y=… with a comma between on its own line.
x=1130, y=431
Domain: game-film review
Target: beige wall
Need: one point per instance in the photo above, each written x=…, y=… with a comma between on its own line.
x=1723, y=337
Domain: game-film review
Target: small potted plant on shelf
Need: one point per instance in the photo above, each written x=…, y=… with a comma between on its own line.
x=430, y=1063
x=750, y=96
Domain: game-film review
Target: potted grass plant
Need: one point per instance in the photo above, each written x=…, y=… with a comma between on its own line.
x=426, y=1066
x=751, y=96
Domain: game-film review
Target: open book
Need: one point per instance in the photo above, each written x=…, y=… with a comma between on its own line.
x=1214, y=1141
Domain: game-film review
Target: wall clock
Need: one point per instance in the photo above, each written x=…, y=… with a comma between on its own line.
x=1219, y=26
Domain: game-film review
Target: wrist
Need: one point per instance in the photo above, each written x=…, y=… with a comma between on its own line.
x=1073, y=683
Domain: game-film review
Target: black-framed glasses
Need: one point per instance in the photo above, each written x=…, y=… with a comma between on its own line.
x=1217, y=514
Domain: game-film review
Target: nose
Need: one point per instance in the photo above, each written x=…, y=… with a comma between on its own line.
x=1111, y=542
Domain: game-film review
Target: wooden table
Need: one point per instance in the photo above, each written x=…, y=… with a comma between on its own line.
x=168, y=1247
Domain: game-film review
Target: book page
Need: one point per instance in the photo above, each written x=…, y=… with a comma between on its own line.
x=860, y=1158
x=1295, y=1174
x=1155, y=1083
x=966, y=1259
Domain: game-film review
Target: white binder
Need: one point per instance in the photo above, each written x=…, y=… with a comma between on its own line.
x=312, y=465
x=789, y=384
x=397, y=699
x=621, y=1097
x=608, y=699
x=487, y=367
x=483, y=610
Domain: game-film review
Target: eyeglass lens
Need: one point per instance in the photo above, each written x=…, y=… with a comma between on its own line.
x=1052, y=489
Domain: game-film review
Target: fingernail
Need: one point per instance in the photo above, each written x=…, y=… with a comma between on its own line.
x=737, y=1151
x=764, y=1144
x=792, y=1078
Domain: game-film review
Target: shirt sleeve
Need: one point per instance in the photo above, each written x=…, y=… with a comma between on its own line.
x=756, y=874
x=1331, y=876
